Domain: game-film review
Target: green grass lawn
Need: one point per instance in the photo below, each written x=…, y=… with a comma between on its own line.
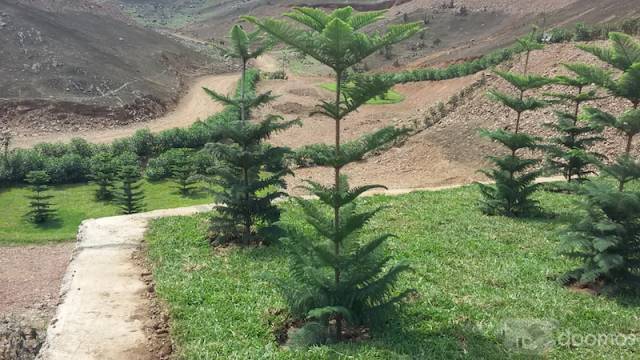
x=74, y=204
x=472, y=273
x=392, y=97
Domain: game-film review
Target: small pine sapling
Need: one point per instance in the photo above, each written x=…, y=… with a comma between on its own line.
x=249, y=172
x=103, y=174
x=129, y=195
x=568, y=152
x=338, y=276
x=513, y=176
x=607, y=239
x=39, y=200
x=183, y=172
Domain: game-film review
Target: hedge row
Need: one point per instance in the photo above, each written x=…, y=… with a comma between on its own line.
x=70, y=162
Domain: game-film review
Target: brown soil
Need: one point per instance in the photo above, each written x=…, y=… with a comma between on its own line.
x=156, y=314
x=30, y=278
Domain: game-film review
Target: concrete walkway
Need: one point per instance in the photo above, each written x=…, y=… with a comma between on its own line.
x=101, y=314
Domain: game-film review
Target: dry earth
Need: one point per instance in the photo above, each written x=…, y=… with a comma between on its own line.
x=30, y=279
x=194, y=106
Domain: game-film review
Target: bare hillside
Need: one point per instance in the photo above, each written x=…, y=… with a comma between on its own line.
x=70, y=64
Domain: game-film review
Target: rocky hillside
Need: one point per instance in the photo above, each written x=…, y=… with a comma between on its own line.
x=457, y=132
x=68, y=60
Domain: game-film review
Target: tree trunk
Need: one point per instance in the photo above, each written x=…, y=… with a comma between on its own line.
x=242, y=91
x=336, y=208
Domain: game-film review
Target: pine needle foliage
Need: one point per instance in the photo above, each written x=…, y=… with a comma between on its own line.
x=183, y=172
x=103, y=174
x=39, y=200
x=338, y=277
x=250, y=175
x=513, y=176
x=244, y=46
x=129, y=195
x=249, y=172
x=607, y=239
x=568, y=152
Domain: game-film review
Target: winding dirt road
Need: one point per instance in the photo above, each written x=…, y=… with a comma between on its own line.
x=195, y=105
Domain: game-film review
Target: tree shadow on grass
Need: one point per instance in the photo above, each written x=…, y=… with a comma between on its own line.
x=464, y=341
x=51, y=224
x=194, y=194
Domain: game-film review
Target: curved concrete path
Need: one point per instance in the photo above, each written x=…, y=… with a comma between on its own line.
x=103, y=302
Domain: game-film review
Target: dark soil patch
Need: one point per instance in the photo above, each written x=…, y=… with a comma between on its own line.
x=156, y=316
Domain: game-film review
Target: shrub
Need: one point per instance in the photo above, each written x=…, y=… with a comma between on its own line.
x=68, y=168
x=39, y=203
x=160, y=168
x=143, y=143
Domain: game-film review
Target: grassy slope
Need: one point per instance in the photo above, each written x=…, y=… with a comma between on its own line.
x=472, y=272
x=74, y=203
x=392, y=97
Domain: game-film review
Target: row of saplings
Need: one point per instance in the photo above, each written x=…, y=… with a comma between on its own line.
x=118, y=180
x=607, y=238
x=339, y=278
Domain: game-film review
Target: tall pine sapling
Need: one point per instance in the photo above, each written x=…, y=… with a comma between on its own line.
x=250, y=173
x=513, y=176
x=568, y=152
x=129, y=195
x=244, y=47
x=338, y=275
x=103, y=173
x=183, y=172
x=39, y=200
x=607, y=239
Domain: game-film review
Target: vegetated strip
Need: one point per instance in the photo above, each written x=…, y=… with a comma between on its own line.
x=70, y=163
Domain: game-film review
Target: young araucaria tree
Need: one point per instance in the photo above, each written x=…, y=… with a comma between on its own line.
x=338, y=276
x=569, y=152
x=103, y=174
x=39, y=203
x=513, y=175
x=607, y=240
x=250, y=173
x=129, y=195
